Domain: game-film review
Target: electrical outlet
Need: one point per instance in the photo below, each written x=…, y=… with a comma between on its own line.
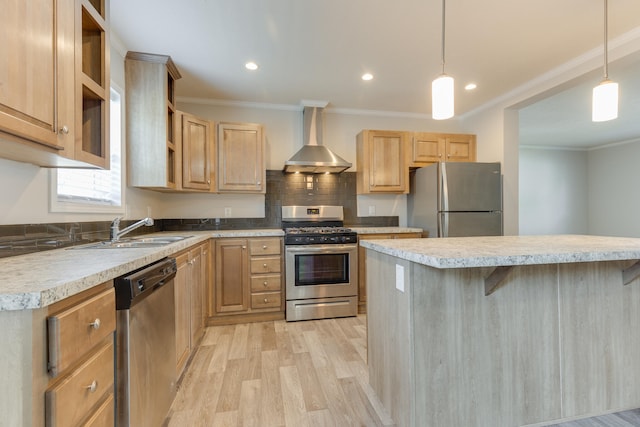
x=227, y=212
x=372, y=210
x=400, y=277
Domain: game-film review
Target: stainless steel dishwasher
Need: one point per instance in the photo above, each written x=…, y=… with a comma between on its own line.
x=145, y=345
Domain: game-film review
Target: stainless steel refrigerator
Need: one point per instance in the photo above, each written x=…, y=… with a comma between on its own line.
x=455, y=199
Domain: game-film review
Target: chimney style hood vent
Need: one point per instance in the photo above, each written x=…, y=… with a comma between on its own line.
x=314, y=157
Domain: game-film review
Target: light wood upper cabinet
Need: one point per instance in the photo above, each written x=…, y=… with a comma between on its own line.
x=241, y=164
x=461, y=148
x=427, y=148
x=92, y=91
x=382, y=162
x=54, y=74
x=151, y=121
x=198, y=152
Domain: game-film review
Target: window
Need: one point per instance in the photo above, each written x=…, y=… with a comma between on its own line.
x=96, y=191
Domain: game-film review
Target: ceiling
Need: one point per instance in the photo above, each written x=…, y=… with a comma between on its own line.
x=317, y=50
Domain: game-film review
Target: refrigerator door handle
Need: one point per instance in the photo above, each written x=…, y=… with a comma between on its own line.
x=444, y=187
x=443, y=225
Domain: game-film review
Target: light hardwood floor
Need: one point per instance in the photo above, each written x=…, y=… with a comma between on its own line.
x=295, y=374
x=621, y=419
x=310, y=373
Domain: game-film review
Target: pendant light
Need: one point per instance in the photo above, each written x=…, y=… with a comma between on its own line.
x=605, y=95
x=442, y=88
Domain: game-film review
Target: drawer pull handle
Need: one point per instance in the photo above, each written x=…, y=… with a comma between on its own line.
x=264, y=246
x=265, y=283
x=92, y=387
x=95, y=324
x=64, y=130
x=264, y=265
x=266, y=300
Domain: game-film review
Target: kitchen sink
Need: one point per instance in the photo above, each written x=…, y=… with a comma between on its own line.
x=134, y=242
x=155, y=239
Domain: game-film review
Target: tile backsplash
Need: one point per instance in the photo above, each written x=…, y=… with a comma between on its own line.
x=282, y=190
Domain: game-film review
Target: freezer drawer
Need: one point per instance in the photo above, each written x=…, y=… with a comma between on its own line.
x=461, y=224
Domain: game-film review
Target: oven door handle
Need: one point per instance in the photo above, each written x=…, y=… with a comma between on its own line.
x=320, y=248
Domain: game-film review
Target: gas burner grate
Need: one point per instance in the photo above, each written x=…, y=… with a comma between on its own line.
x=317, y=230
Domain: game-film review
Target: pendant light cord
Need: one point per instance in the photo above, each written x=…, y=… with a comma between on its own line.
x=606, y=58
x=443, y=2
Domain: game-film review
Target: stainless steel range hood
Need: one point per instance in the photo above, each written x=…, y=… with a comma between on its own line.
x=314, y=157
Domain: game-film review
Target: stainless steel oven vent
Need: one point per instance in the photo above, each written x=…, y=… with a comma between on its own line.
x=314, y=157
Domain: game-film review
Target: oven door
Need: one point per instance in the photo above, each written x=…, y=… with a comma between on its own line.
x=320, y=271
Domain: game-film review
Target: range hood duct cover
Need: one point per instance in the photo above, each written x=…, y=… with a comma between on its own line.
x=314, y=157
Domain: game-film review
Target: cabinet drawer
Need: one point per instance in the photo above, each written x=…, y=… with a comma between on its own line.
x=266, y=300
x=104, y=415
x=70, y=401
x=73, y=332
x=265, y=265
x=265, y=246
x=266, y=283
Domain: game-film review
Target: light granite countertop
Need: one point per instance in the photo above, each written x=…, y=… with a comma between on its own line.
x=385, y=230
x=465, y=252
x=39, y=279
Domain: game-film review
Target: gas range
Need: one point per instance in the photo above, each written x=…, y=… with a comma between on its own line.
x=321, y=263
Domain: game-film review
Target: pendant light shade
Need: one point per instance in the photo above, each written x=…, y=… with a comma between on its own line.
x=442, y=106
x=605, y=101
x=605, y=95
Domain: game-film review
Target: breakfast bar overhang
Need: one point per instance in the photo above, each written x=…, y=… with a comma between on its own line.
x=503, y=331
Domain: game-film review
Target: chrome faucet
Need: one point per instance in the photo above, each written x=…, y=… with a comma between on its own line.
x=115, y=233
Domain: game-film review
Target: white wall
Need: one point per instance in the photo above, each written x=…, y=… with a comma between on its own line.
x=614, y=190
x=553, y=191
x=581, y=192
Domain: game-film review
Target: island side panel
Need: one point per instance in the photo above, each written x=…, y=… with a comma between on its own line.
x=600, y=324
x=389, y=343
x=485, y=361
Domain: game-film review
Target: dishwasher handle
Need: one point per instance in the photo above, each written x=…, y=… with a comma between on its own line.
x=138, y=284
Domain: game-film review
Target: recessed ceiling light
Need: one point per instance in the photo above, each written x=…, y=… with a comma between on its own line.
x=251, y=66
x=471, y=86
x=367, y=76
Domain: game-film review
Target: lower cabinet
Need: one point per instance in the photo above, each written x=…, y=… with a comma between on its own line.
x=189, y=288
x=362, y=263
x=80, y=341
x=248, y=280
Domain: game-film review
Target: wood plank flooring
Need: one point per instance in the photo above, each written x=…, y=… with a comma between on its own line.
x=620, y=419
x=296, y=374
x=311, y=373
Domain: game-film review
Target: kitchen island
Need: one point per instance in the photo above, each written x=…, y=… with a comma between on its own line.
x=503, y=331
